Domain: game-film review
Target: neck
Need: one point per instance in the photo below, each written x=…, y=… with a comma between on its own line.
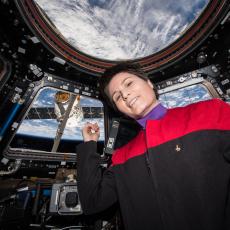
x=151, y=109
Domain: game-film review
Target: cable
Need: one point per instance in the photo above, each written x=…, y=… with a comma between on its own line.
x=71, y=227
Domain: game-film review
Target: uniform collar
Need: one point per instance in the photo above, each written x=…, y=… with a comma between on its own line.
x=155, y=114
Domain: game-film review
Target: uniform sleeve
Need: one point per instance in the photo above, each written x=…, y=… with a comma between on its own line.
x=96, y=186
x=224, y=120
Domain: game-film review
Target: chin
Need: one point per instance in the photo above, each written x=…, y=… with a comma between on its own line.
x=140, y=114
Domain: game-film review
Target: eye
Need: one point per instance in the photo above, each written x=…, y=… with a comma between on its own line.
x=129, y=83
x=116, y=97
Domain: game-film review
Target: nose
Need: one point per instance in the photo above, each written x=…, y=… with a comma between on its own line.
x=125, y=94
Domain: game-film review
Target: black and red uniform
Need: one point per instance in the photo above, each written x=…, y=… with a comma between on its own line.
x=173, y=175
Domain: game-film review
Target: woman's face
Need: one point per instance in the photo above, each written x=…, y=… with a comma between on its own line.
x=131, y=94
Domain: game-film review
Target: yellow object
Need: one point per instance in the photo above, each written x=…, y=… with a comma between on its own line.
x=62, y=97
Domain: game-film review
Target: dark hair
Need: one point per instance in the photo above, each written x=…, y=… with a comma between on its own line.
x=121, y=67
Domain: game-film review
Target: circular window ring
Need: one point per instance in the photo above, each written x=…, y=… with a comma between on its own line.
x=45, y=31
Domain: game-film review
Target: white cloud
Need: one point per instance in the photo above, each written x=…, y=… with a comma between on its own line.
x=47, y=128
x=122, y=29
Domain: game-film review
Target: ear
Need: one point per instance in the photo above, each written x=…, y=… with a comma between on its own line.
x=150, y=83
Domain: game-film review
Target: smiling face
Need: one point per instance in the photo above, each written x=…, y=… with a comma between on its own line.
x=131, y=94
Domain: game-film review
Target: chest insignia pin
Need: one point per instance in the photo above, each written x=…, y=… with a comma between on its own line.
x=178, y=148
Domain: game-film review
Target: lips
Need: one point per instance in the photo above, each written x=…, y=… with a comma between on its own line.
x=131, y=102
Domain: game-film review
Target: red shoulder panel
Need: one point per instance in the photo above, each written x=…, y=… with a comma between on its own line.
x=134, y=148
x=206, y=115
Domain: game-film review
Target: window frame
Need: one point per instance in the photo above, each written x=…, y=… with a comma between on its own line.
x=49, y=81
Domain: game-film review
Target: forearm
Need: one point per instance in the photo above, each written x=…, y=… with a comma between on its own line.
x=96, y=187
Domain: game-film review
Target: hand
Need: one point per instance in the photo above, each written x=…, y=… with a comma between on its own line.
x=91, y=132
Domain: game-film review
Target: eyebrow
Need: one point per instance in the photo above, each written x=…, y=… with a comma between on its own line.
x=121, y=84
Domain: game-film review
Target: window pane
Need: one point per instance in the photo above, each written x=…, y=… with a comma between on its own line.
x=185, y=96
x=117, y=29
x=56, y=115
